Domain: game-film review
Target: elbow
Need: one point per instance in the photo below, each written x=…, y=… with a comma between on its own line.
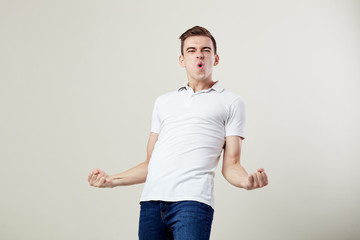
x=229, y=167
x=226, y=176
x=148, y=157
x=225, y=172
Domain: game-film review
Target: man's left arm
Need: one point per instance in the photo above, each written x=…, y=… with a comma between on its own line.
x=232, y=170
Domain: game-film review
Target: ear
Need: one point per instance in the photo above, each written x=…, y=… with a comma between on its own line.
x=181, y=61
x=216, y=62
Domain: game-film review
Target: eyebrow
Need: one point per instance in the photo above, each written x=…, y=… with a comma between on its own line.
x=194, y=48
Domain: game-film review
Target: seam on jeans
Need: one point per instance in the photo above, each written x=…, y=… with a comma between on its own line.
x=163, y=213
x=209, y=219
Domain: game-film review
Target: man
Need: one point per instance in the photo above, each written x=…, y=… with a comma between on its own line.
x=190, y=128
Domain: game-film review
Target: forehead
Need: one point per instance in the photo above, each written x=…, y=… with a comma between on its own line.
x=198, y=41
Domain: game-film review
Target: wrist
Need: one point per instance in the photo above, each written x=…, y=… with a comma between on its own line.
x=110, y=182
x=243, y=183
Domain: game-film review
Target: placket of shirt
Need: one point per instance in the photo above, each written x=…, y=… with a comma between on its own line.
x=192, y=96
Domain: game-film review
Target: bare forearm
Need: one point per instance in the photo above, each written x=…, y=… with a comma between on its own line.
x=236, y=175
x=132, y=176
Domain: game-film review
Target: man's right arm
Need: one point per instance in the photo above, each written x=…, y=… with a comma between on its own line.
x=135, y=175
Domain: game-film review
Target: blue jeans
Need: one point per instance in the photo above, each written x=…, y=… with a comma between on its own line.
x=183, y=220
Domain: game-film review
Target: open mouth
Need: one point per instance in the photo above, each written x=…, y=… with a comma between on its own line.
x=200, y=65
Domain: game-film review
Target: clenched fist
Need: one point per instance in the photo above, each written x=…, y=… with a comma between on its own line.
x=98, y=178
x=258, y=179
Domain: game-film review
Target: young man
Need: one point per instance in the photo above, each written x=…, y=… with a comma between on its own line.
x=190, y=128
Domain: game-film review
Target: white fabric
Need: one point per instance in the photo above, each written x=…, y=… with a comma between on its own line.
x=192, y=128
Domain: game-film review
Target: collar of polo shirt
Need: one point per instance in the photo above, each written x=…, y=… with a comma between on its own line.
x=217, y=87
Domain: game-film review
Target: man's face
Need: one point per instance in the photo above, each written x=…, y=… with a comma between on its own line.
x=199, y=58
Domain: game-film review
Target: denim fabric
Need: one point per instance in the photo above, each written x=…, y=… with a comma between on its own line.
x=183, y=220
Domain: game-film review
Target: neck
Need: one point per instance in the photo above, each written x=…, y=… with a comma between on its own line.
x=198, y=85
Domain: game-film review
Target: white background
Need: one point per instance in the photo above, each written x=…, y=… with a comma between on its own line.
x=78, y=80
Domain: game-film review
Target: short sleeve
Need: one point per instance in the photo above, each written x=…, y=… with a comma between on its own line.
x=155, y=120
x=236, y=119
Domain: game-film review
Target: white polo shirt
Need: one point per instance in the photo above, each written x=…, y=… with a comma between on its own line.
x=192, y=128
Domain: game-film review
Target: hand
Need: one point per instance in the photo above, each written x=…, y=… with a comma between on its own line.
x=98, y=178
x=257, y=180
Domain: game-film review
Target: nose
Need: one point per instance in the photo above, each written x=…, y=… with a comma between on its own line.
x=200, y=55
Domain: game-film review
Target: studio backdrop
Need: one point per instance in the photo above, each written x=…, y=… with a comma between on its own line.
x=78, y=80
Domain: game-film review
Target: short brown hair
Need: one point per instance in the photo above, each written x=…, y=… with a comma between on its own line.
x=196, y=31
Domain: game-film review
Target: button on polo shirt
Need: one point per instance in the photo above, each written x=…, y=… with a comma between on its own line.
x=192, y=128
